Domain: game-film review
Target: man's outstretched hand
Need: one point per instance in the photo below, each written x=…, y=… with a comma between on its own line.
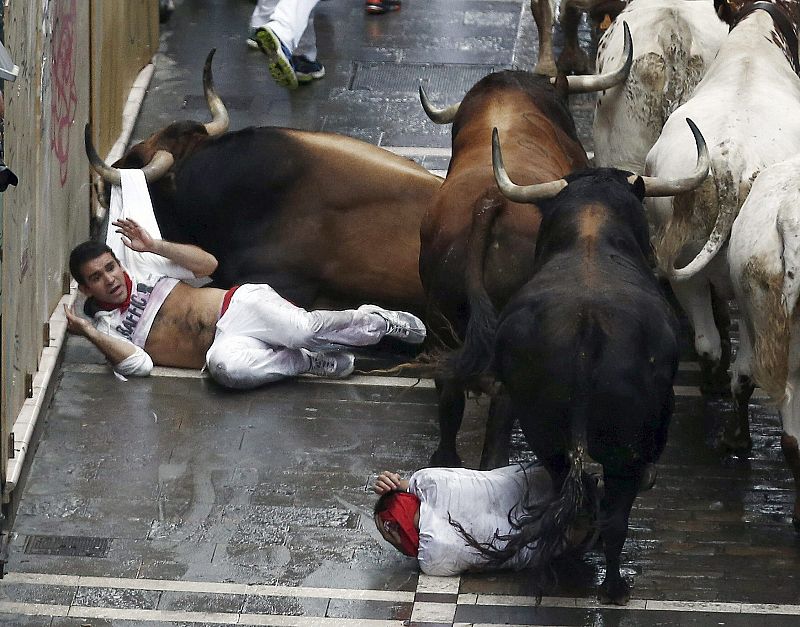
x=76, y=324
x=135, y=236
x=388, y=481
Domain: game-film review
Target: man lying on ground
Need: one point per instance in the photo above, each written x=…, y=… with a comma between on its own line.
x=246, y=336
x=432, y=515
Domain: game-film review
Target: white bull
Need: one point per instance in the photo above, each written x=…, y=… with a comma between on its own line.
x=748, y=108
x=674, y=43
x=764, y=260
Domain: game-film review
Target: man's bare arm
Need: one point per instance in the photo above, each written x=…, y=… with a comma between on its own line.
x=114, y=349
x=193, y=258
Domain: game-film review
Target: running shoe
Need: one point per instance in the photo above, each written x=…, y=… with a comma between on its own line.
x=279, y=56
x=378, y=7
x=307, y=70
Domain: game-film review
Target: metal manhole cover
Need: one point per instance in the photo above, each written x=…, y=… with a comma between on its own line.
x=73, y=546
x=452, y=80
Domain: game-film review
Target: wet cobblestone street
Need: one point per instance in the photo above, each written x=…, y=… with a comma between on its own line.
x=199, y=506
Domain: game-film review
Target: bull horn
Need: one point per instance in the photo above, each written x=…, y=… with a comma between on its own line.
x=439, y=116
x=219, y=114
x=158, y=166
x=520, y=193
x=109, y=174
x=719, y=234
x=599, y=82
x=655, y=186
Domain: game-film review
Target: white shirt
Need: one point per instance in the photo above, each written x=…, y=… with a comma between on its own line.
x=480, y=501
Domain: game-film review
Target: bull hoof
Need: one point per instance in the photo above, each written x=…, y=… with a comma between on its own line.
x=446, y=459
x=737, y=443
x=649, y=477
x=617, y=593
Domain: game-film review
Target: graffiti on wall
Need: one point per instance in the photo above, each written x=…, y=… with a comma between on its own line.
x=64, y=101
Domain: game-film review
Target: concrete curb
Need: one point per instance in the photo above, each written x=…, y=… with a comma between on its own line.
x=25, y=423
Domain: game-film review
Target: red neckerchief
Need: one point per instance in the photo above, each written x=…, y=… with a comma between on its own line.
x=122, y=306
x=402, y=509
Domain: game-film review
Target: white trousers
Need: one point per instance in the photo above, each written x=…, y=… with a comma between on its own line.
x=292, y=21
x=262, y=337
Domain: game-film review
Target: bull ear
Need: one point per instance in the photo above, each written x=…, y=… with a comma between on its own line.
x=561, y=85
x=724, y=11
x=638, y=188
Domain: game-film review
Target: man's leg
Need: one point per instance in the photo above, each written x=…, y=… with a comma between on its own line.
x=260, y=312
x=244, y=362
x=280, y=36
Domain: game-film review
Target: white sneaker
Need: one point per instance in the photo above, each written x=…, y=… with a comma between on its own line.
x=333, y=365
x=399, y=324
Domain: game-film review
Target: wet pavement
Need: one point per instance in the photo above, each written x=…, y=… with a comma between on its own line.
x=169, y=501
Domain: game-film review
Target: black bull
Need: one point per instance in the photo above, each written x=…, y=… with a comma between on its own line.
x=319, y=216
x=586, y=352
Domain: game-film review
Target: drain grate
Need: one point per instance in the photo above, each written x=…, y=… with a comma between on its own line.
x=453, y=80
x=72, y=546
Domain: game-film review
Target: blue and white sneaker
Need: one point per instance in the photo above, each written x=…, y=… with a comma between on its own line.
x=279, y=56
x=306, y=69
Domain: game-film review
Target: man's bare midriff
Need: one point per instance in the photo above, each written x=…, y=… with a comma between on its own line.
x=184, y=327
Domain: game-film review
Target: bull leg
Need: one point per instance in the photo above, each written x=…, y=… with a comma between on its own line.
x=791, y=453
x=451, y=413
x=790, y=417
x=572, y=60
x=722, y=320
x=694, y=296
x=543, y=16
x=498, y=433
x=615, y=510
x=736, y=435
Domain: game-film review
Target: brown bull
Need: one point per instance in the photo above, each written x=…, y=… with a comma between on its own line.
x=532, y=110
x=319, y=216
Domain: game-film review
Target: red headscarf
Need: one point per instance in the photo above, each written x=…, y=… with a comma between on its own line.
x=401, y=510
x=122, y=306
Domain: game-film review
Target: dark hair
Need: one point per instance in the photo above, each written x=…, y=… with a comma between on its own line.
x=84, y=252
x=385, y=501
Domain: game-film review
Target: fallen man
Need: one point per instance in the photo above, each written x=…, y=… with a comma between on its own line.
x=441, y=515
x=246, y=336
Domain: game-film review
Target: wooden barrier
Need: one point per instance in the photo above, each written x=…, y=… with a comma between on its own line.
x=75, y=57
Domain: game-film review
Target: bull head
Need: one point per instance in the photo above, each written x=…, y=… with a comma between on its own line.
x=654, y=186
x=575, y=84
x=161, y=146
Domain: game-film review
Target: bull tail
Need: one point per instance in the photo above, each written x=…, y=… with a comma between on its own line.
x=723, y=191
x=779, y=297
x=475, y=356
x=544, y=527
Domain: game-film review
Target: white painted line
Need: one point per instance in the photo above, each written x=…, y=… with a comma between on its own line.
x=687, y=390
x=208, y=587
x=189, y=373
x=374, y=380
x=33, y=609
x=438, y=585
x=433, y=612
x=419, y=151
x=163, y=616
x=711, y=607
